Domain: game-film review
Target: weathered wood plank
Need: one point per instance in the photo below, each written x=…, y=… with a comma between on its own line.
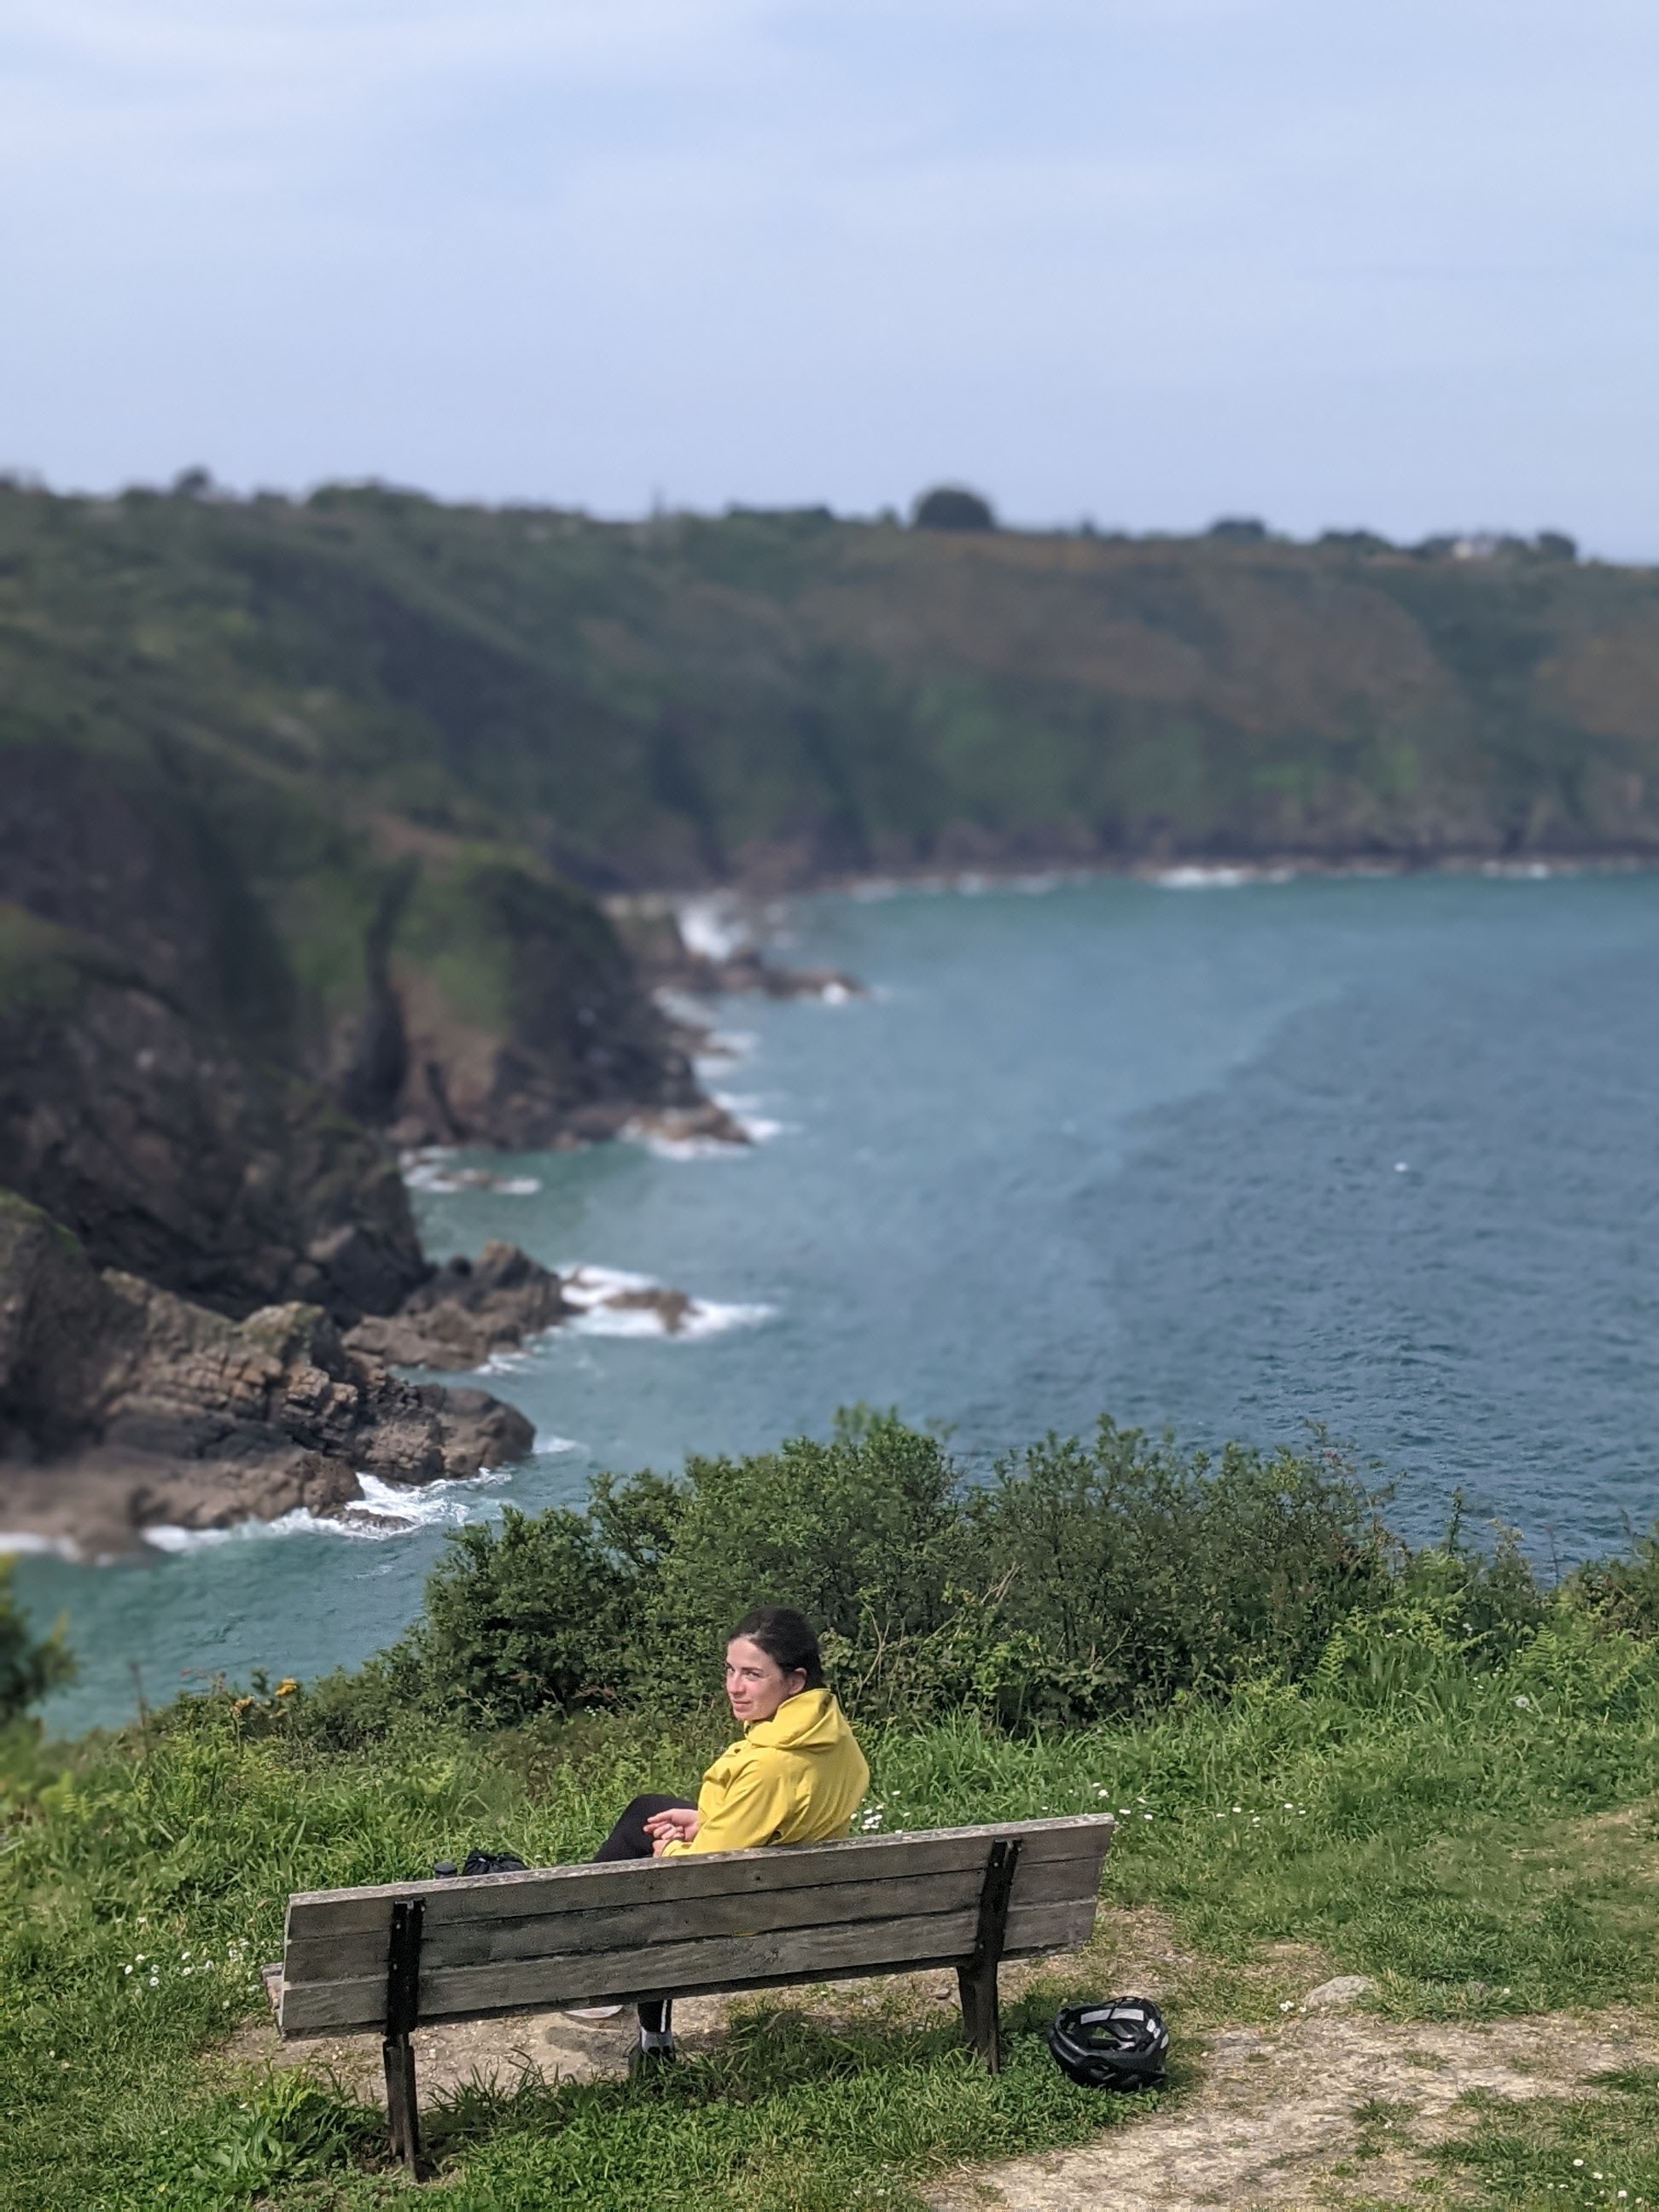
x=476, y=1942
x=314, y=1913
x=337, y=1957
x=686, y=1969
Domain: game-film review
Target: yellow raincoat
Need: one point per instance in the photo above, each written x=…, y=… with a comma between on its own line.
x=796, y=1779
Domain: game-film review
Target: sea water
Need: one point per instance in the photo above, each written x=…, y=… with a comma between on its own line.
x=1232, y=1157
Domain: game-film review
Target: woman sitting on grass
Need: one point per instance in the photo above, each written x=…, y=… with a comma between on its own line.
x=795, y=1776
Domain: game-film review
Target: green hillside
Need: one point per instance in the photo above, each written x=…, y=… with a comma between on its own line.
x=321, y=794
x=781, y=695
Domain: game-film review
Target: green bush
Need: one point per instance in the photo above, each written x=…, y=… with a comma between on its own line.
x=1080, y=1581
x=1119, y=1573
x=30, y=1666
x=1622, y=1593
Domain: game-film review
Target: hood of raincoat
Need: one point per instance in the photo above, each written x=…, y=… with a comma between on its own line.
x=810, y=1721
x=796, y=1778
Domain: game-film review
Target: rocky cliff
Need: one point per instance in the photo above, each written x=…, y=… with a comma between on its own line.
x=179, y=1088
x=224, y=1002
x=123, y=1406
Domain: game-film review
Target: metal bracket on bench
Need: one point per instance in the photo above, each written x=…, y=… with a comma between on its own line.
x=976, y=1976
x=403, y=2012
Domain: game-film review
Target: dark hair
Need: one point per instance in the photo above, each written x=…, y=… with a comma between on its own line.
x=788, y=1640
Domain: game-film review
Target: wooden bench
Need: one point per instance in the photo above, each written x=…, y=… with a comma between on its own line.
x=413, y=1953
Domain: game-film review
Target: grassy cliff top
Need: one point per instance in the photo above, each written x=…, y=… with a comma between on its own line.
x=1449, y=1791
x=782, y=695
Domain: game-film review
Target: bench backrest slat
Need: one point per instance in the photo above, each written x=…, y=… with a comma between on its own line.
x=681, y=1927
x=757, y=1962
x=613, y=1926
x=931, y=1850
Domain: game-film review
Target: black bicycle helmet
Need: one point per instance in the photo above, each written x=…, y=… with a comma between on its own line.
x=1115, y=2043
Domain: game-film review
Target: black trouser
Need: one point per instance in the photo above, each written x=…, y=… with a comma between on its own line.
x=627, y=1840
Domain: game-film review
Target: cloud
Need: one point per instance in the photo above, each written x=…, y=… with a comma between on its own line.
x=1238, y=249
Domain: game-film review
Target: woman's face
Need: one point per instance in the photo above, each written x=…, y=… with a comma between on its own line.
x=756, y=1686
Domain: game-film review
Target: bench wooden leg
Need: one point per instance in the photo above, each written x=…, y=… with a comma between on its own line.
x=976, y=1976
x=402, y=2106
x=981, y=2021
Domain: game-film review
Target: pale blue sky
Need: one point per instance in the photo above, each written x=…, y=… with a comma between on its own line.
x=1148, y=260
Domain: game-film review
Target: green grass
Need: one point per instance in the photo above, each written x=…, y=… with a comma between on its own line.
x=1478, y=1855
x=1600, y=2147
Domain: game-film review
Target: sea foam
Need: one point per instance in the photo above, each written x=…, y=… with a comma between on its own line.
x=380, y=1510
x=1193, y=879
x=15, y=1542
x=711, y=928
x=595, y=1289
x=430, y=1168
x=759, y=1127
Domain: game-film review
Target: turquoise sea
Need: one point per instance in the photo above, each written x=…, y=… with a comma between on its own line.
x=1234, y=1158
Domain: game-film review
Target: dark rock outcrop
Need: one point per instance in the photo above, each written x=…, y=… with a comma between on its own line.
x=465, y=1310
x=174, y=1157
x=469, y=1310
x=575, y=1049
x=178, y=1088
x=150, y=1098
x=124, y=1407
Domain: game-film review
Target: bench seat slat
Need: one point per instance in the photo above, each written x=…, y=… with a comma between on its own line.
x=316, y=1913
x=691, y=1968
x=473, y=1943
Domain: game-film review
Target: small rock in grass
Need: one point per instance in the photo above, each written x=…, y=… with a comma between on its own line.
x=1342, y=1990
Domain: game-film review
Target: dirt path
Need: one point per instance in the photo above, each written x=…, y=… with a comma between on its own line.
x=1316, y=2107
x=497, y=2049
x=1275, y=2116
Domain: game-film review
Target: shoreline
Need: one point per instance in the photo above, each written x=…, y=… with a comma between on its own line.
x=1174, y=873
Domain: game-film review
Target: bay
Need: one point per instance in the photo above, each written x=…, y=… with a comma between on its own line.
x=1235, y=1157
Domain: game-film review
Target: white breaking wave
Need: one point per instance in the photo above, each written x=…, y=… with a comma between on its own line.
x=380, y=1510
x=1218, y=879
x=759, y=1127
x=721, y=1049
x=648, y=1310
x=16, y=1542
x=163, y=1537
x=712, y=928
x=429, y=1169
x=683, y=1148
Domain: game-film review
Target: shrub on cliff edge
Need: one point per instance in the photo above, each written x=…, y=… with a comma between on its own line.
x=31, y=1666
x=1083, y=1580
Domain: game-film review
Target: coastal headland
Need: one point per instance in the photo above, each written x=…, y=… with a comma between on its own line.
x=336, y=830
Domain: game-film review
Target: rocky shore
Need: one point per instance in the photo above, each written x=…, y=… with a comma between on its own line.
x=221, y=1014
x=724, y=961
x=466, y=1311
x=124, y=1406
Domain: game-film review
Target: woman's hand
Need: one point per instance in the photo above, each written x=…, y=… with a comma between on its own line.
x=676, y=1826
